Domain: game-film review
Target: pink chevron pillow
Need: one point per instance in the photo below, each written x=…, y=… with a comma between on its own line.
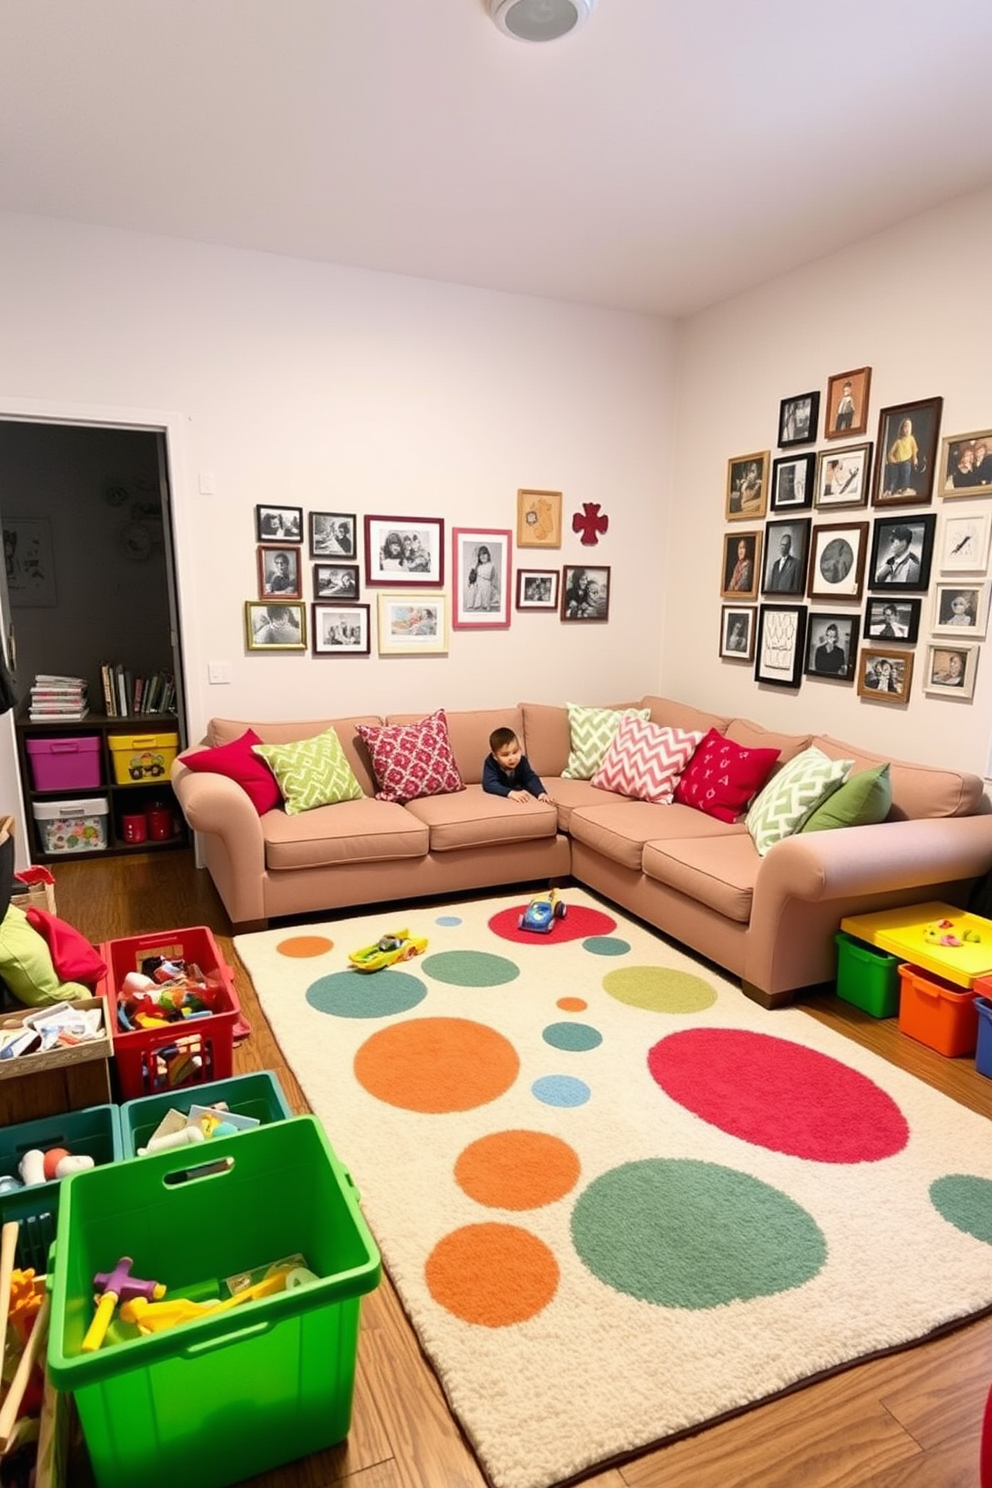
x=645, y=760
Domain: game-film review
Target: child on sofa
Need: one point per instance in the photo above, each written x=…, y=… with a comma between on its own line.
x=507, y=770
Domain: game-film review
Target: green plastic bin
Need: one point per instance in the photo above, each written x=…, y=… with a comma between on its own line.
x=229, y=1395
x=259, y=1094
x=867, y=976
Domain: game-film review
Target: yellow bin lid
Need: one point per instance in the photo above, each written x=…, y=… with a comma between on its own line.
x=904, y=932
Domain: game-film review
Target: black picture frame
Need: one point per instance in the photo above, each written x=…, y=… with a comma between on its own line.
x=333, y=535
x=909, y=571
x=907, y=482
x=279, y=524
x=902, y=624
x=737, y=631
x=781, y=648
x=798, y=419
x=793, y=482
x=340, y=630
x=785, y=571
x=537, y=589
x=835, y=662
x=585, y=593
x=336, y=582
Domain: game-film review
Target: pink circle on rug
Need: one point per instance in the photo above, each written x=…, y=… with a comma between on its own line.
x=579, y=923
x=779, y=1095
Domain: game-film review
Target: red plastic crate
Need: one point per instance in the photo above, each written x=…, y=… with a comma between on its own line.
x=193, y=1052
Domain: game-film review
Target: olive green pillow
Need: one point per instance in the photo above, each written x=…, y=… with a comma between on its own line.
x=311, y=772
x=862, y=801
x=591, y=732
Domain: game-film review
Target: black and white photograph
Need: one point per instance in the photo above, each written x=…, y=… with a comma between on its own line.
x=332, y=535
x=537, y=588
x=885, y=675
x=892, y=619
x=747, y=487
x=951, y=670
x=832, y=645
x=279, y=572
x=781, y=649
x=340, y=630
x=798, y=419
x=902, y=552
x=843, y=476
x=279, y=522
x=960, y=609
x=837, y=561
x=585, y=593
x=737, y=628
x=404, y=550
x=482, y=578
x=906, y=453
x=792, y=482
x=335, y=581
x=786, y=556
x=275, y=626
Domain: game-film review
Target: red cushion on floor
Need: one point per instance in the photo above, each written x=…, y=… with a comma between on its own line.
x=74, y=959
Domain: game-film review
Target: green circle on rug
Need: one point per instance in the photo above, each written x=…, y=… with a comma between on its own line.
x=693, y=1234
x=965, y=1202
x=363, y=994
x=659, y=989
x=577, y=1037
x=606, y=945
x=470, y=969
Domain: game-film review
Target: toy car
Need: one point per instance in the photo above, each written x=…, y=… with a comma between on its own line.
x=389, y=949
x=542, y=911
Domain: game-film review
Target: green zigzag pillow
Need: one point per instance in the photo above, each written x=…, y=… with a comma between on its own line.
x=311, y=772
x=789, y=797
x=592, y=731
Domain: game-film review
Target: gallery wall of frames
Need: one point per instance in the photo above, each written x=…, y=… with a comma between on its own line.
x=857, y=554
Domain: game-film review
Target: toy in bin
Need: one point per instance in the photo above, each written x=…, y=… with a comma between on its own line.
x=542, y=911
x=164, y=991
x=399, y=945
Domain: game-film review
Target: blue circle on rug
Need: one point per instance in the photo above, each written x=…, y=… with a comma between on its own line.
x=695, y=1235
x=363, y=994
x=579, y=1037
x=470, y=969
x=448, y=920
x=561, y=1090
x=605, y=945
x=965, y=1201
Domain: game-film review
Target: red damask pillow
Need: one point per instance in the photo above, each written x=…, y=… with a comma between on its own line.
x=722, y=777
x=412, y=759
x=238, y=763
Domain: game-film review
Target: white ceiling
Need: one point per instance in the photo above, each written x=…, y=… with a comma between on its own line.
x=668, y=155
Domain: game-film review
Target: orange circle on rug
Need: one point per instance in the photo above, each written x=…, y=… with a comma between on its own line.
x=302, y=946
x=517, y=1169
x=494, y=1275
x=572, y=1004
x=436, y=1065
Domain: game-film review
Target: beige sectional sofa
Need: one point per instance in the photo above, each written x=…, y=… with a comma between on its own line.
x=768, y=921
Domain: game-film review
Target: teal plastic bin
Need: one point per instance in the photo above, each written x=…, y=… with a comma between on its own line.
x=231, y=1394
x=867, y=976
x=259, y=1094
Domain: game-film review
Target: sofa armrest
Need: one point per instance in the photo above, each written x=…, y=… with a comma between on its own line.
x=232, y=843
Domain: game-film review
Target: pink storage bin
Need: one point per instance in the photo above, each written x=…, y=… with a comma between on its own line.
x=59, y=763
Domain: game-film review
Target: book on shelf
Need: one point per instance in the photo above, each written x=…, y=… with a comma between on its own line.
x=130, y=695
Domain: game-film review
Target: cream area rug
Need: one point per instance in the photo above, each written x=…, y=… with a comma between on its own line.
x=617, y=1199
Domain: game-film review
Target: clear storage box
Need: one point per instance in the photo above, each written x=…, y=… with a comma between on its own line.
x=72, y=826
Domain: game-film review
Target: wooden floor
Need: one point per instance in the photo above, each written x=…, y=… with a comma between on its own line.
x=909, y=1420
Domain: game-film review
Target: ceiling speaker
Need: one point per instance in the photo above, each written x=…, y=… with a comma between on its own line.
x=540, y=20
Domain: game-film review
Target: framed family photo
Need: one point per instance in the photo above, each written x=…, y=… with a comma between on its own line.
x=275, y=625
x=781, y=648
x=279, y=572
x=537, y=588
x=798, y=419
x=332, y=535
x=741, y=572
x=747, y=487
x=737, y=627
x=539, y=519
x=832, y=645
x=792, y=482
x=482, y=578
x=847, y=404
x=786, y=556
x=273, y=523
x=966, y=464
x=585, y=593
x=907, y=453
x=837, y=562
x=951, y=670
x=412, y=624
x=964, y=542
x=843, y=476
x=884, y=675
x=404, y=550
x=335, y=581
x=893, y=619
x=960, y=610
x=902, y=552
x=340, y=630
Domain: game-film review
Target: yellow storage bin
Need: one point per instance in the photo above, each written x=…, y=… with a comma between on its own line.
x=142, y=758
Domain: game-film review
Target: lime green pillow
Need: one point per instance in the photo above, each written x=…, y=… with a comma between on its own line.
x=791, y=795
x=592, y=731
x=862, y=801
x=311, y=772
x=26, y=964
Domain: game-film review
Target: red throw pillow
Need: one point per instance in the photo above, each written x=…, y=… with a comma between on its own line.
x=238, y=763
x=74, y=959
x=722, y=777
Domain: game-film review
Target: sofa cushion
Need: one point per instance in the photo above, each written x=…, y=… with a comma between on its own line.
x=862, y=801
x=723, y=880
x=238, y=761
x=792, y=794
x=672, y=714
x=722, y=777
x=620, y=830
x=569, y=795
x=645, y=760
x=591, y=733
x=412, y=759
x=472, y=818
x=546, y=737
x=918, y=791
x=360, y=831
x=753, y=736
x=311, y=772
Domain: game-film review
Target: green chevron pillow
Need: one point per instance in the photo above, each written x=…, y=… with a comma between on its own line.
x=311, y=772
x=789, y=797
x=592, y=731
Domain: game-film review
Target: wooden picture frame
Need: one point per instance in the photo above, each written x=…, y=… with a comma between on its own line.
x=902, y=553
x=482, y=575
x=951, y=669
x=786, y=556
x=964, y=542
x=843, y=476
x=961, y=610
x=412, y=624
x=892, y=618
x=747, y=487
x=338, y=582
x=275, y=625
x=832, y=644
x=333, y=535
x=340, y=630
x=274, y=524
x=798, y=419
x=740, y=575
x=781, y=647
x=585, y=593
x=539, y=519
x=846, y=414
x=837, y=560
x=966, y=464
x=405, y=551
x=279, y=572
x=885, y=674
x=906, y=453
x=792, y=482
x=537, y=589
x=737, y=632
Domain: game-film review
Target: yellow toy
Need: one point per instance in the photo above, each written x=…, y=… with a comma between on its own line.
x=389, y=949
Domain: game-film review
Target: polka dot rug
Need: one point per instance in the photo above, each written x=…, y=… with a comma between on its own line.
x=617, y=1199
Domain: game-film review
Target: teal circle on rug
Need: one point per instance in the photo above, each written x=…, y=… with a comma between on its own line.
x=965, y=1202
x=561, y=1090
x=695, y=1235
x=363, y=994
x=448, y=920
x=470, y=969
x=606, y=945
x=579, y=1037
x=659, y=989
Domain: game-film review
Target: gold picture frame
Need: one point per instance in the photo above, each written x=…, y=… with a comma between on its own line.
x=538, y=519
